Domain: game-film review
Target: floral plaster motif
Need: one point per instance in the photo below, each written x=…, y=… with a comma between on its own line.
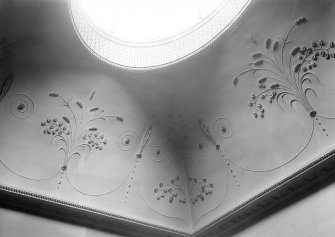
x=208, y=167
x=164, y=189
x=170, y=191
x=200, y=189
x=186, y=193
x=187, y=184
x=285, y=75
x=188, y=174
x=76, y=135
x=152, y=154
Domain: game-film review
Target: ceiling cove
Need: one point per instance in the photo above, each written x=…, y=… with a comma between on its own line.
x=182, y=150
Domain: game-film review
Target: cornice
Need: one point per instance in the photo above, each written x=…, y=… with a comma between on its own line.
x=60, y=207
x=270, y=197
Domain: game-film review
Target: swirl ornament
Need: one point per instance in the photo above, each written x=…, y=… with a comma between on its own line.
x=127, y=140
x=21, y=106
x=223, y=128
x=157, y=151
x=199, y=145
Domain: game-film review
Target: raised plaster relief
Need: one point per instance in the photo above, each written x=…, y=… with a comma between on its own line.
x=286, y=75
x=21, y=106
x=127, y=139
x=192, y=188
x=222, y=128
x=172, y=191
x=199, y=189
x=76, y=135
x=162, y=184
x=208, y=167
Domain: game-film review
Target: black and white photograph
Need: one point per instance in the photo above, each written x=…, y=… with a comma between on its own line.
x=179, y=118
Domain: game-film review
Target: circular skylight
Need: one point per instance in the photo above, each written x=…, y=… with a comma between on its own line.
x=147, y=20
x=149, y=33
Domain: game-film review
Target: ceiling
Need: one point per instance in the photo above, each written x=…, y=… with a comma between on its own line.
x=178, y=147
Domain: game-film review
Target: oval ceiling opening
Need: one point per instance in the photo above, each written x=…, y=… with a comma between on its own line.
x=150, y=34
x=144, y=21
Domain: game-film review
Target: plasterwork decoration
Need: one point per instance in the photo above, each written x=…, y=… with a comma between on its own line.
x=20, y=106
x=188, y=191
x=127, y=139
x=285, y=75
x=189, y=173
x=189, y=158
x=76, y=135
x=165, y=190
x=207, y=158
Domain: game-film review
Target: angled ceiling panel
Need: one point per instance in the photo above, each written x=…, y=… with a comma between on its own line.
x=176, y=148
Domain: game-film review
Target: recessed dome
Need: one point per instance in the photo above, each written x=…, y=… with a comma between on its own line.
x=148, y=20
x=149, y=34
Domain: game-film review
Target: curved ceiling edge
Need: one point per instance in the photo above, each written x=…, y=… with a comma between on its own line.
x=153, y=56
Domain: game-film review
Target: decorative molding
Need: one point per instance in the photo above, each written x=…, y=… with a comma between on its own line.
x=272, y=196
x=305, y=177
x=21, y=106
x=73, y=135
x=285, y=81
x=275, y=65
x=97, y=217
x=223, y=128
x=286, y=77
x=127, y=141
x=76, y=135
x=171, y=190
x=200, y=189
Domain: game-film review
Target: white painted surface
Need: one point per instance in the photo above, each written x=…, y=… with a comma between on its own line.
x=15, y=224
x=200, y=88
x=313, y=216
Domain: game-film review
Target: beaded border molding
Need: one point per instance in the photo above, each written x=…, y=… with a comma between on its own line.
x=157, y=54
x=270, y=197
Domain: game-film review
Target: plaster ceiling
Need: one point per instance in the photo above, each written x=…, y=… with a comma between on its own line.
x=210, y=131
